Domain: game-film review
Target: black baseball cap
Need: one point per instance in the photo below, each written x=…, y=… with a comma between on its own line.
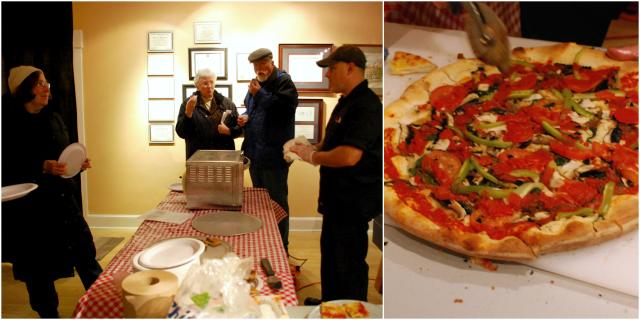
x=346, y=53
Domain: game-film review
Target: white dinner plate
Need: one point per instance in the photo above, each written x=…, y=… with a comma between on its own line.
x=375, y=311
x=17, y=191
x=171, y=253
x=176, y=187
x=73, y=156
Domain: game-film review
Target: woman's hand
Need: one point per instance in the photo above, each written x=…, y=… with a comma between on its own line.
x=191, y=104
x=223, y=129
x=86, y=165
x=52, y=167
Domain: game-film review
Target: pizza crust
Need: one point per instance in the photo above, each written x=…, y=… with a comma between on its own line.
x=471, y=244
x=570, y=53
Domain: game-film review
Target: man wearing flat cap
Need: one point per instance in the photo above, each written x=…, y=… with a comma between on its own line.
x=350, y=159
x=268, y=123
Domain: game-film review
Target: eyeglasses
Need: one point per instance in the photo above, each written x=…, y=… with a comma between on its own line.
x=44, y=84
x=206, y=83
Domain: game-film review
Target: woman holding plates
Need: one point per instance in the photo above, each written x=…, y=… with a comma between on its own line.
x=44, y=234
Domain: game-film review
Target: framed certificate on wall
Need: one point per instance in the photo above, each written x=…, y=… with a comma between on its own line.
x=308, y=119
x=160, y=41
x=299, y=60
x=208, y=58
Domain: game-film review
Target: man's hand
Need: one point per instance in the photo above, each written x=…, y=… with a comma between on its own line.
x=254, y=87
x=191, y=104
x=242, y=120
x=305, y=152
x=623, y=53
x=52, y=167
x=223, y=129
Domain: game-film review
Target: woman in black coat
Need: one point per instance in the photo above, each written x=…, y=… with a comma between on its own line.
x=200, y=118
x=44, y=234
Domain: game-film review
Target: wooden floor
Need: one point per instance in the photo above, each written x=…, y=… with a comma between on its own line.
x=305, y=245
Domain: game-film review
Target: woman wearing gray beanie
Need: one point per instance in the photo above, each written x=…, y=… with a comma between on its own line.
x=44, y=234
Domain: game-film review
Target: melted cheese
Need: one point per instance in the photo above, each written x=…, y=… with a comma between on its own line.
x=603, y=133
x=442, y=144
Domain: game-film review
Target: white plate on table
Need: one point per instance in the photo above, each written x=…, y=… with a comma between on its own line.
x=375, y=311
x=171, y=253
x=17, y=191
x=176, y=187
x=73, y=156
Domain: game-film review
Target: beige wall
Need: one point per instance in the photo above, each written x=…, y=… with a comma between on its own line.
x=129, y=176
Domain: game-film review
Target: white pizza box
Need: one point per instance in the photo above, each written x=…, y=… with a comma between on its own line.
x=612, y=264
x=413, y=268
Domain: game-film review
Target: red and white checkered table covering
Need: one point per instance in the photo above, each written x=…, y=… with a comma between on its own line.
x=103, y=299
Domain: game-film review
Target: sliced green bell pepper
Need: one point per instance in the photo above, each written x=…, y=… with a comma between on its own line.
x=607, y=195
x=487, y=142
x=524, y=173
x=520, y=94
x=568, y=101
x=584, y=212
x=559, y=135
x=483, y=172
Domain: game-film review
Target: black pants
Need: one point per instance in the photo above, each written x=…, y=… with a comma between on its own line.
x=275, y=181
x=344, y=243
x=42, y=292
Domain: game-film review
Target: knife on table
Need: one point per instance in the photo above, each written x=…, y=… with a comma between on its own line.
x=272, y=281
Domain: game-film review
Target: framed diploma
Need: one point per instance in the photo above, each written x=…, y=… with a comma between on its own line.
x=187, y=91
x=160, y=41
x=375, y=63
x=244, y=68
x=161, y=88
x=161, y=133
x=160, y=64
x=206, y=32
x=299, y=60
x=225, y=90
x=161, y=110
x=208, y=58
x=308, y=119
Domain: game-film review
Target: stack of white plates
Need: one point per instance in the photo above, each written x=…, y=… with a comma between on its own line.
x=173, y=255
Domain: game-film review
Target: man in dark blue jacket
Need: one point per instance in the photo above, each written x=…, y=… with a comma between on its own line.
x=268, y=123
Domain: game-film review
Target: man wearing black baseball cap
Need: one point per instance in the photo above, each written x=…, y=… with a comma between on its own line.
x=350, y=159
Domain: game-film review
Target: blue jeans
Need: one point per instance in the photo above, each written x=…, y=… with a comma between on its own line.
x=275, y=181
x=344, y=272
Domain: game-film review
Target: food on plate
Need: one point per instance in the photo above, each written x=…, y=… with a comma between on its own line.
x=332, y=311
x=352, y=309
x=405, y=63
x=356, y=310
x=510, y=166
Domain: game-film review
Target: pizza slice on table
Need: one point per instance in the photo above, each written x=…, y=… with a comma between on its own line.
x=406, y=63
x=332, y=311
x=356, y=309
x=510, y=166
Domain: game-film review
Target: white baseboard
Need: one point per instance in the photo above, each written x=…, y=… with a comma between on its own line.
x=133, y=221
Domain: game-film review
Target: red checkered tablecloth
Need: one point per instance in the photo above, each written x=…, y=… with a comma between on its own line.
x=103, y=299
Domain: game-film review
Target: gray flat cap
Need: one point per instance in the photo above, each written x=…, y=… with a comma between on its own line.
x=260, y=54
